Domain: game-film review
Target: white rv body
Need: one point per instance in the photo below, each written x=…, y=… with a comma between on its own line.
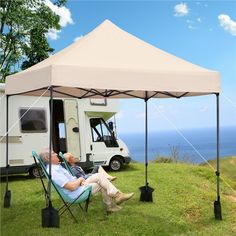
x=78, y=128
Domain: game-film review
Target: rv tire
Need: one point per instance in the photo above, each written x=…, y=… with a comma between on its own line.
x=116, y=163
x=34, y=172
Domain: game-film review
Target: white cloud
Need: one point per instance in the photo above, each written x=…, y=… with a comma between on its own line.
x=62, y=12
x=120, y=115
x=191, y=27
x=65, y=18
x=181, y=9
x=204, y=108
x=191, y=24
x=53, y=34
x=140, y=115
x=199, y=19
x=190, y=21
x=77, y=38
x=228, y=24
x=161, y=109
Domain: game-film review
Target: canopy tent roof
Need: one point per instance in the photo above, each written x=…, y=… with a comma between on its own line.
x=111, y=62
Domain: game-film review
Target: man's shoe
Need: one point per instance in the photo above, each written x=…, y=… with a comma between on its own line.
x=112, y=178
x=121, y=197
x=112, y=209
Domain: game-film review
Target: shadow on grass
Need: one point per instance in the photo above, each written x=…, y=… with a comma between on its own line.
x=15, y=178
x=128, y=167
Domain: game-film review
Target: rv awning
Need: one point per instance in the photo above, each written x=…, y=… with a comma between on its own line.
x=111, y=62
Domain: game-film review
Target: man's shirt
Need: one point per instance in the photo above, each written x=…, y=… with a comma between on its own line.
x=61, y=177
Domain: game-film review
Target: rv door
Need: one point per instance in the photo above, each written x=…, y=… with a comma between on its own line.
x=72, y=126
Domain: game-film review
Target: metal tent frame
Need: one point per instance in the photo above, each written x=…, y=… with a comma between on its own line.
x=88, y=93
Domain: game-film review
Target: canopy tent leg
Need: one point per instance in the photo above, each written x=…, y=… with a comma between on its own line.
x=7, y=196
x=217, y=205
x=146, y=191
x=50, y=216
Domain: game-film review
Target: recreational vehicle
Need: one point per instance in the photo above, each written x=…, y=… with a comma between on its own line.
x=82, y=127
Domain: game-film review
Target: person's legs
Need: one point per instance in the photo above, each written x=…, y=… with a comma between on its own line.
x=107, y=200
x=102, y=171
x=109, y=188
x=96, y=188
x=95, y=170
x=101, y=180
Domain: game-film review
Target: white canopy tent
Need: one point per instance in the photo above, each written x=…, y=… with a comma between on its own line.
x=109, y=62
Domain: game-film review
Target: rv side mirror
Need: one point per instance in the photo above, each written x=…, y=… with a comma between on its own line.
x=110, y=125
x=75, y=129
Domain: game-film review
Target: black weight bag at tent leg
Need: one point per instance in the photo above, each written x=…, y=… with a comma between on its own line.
x=50, y=217
x=146, y=193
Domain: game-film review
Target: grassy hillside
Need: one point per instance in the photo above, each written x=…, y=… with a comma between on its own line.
x=227, y=168
x=183, y=205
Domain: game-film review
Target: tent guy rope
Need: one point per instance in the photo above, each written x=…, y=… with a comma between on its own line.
x=183, y=136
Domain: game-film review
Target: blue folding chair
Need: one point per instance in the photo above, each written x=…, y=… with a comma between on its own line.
x=84, y=196
x=65, y=163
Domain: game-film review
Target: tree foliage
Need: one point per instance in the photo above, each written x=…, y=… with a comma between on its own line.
x=23, y=25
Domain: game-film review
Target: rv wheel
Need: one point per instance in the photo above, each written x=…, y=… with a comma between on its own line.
x=34, y=172
x=116, y=163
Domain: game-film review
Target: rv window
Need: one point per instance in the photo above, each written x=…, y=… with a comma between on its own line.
x=33, y=120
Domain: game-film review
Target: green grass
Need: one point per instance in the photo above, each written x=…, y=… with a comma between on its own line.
x=227, y=169
x=183, y=205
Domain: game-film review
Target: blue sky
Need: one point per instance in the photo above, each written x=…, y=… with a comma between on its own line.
x=202, y=32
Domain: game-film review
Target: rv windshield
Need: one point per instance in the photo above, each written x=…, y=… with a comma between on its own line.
x=101, y=132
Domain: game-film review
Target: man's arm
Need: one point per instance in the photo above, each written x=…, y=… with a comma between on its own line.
x=73, y=185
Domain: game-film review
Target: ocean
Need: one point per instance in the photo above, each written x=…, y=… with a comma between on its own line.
x=198, y=144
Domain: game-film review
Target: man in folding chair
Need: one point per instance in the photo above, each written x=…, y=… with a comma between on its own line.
x=99, y=182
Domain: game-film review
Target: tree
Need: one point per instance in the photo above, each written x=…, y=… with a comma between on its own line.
x=23, y=25
x=38, y=49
